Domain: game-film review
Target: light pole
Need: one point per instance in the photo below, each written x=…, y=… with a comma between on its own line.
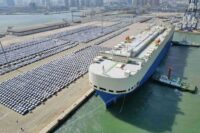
x=72, y=13
x=101, y=22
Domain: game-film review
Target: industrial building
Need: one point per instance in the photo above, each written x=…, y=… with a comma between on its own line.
x=10, y=3
x=37, y=29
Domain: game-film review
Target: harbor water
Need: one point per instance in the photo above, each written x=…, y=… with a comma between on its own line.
x=152, y=108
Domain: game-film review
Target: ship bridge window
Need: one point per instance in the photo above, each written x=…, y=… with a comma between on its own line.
x=135, y=63
x=111, y=91
x=122, y=91
x=102, y=89
x=95, y=86
x=104, y=57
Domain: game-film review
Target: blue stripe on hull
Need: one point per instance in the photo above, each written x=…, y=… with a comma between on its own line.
x=152, y=69
x=110, y=98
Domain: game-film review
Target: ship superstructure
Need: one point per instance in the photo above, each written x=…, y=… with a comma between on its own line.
x=129, y=64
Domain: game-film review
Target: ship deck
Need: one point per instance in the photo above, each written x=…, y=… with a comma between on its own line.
x=119, y=63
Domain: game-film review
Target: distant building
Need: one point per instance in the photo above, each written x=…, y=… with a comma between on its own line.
x=72, y=3
x=134, y=3
x=99, y=3
x=3, y=3
x=48, y=3
x=43, y=3
x=130, y=2
x=154, y=2
x=141, y=3
x=20, y=3
x=66, y=4
x=82, y=3
x=10, y=3
x=87, y=3
x=60, y=3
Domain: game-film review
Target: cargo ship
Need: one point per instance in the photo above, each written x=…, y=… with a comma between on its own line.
x=127, y=66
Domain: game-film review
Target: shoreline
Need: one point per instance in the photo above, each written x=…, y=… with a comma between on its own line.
x=45, y=117
x=68, y=112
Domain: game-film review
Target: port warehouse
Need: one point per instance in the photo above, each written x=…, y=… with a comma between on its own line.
x=38, y=28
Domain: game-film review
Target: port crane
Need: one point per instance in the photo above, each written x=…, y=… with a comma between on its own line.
x=191, y=16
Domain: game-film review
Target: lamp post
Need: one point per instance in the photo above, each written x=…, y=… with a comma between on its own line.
x=101, y=22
